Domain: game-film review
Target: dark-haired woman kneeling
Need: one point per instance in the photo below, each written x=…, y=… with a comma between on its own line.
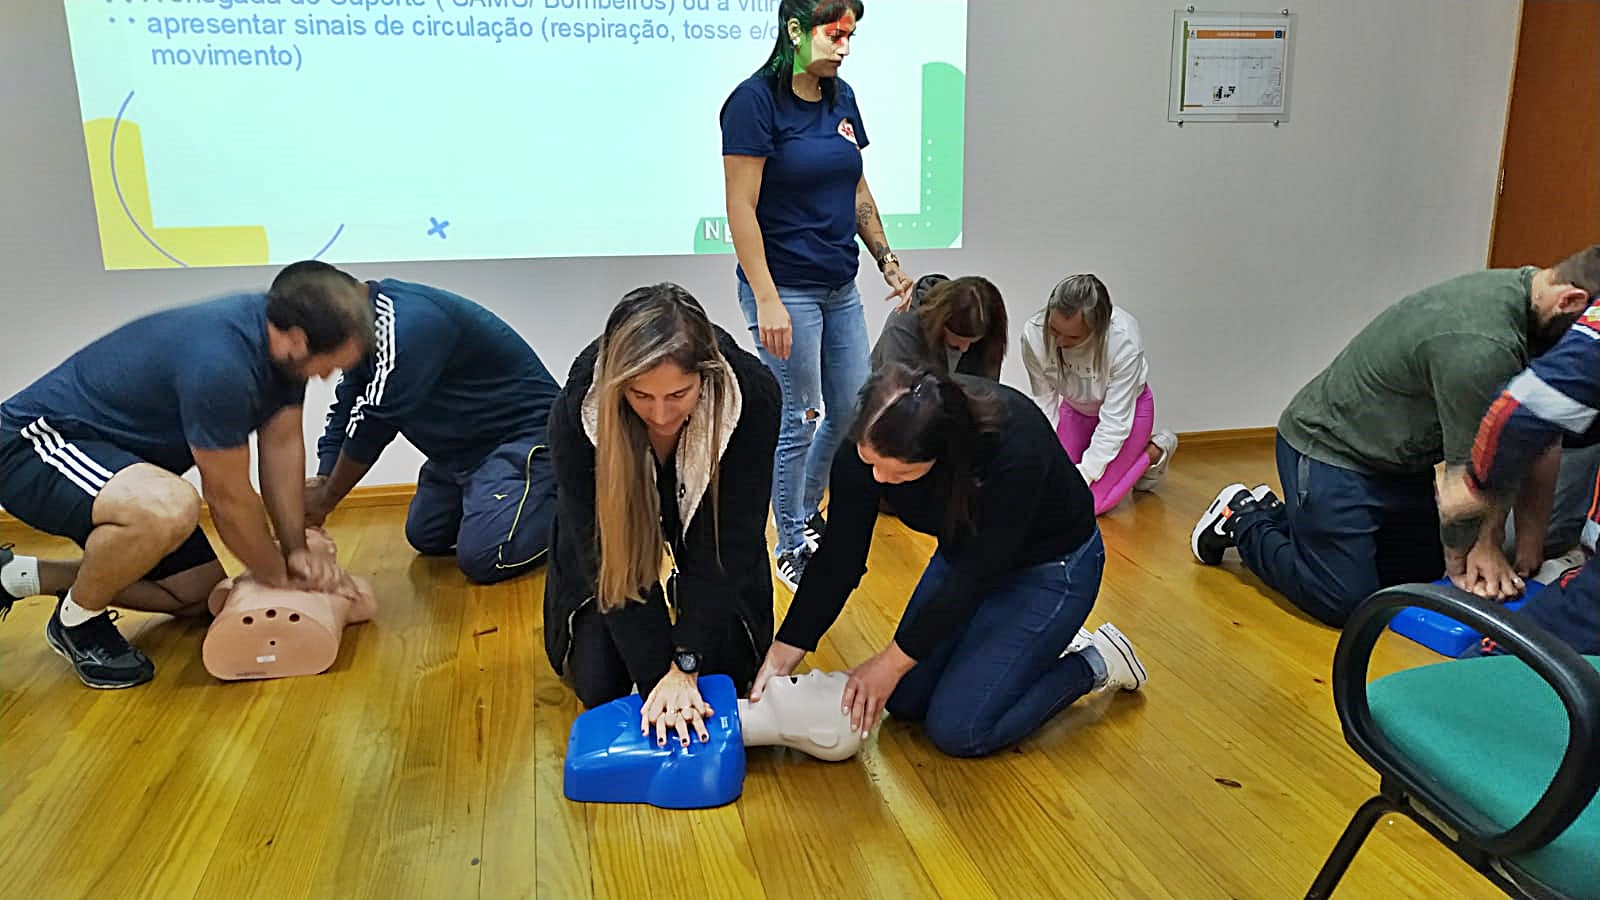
x=662, y=440
x=991, y=645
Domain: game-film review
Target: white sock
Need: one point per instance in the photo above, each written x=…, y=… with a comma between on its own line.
x=20, y=577
x=73, y=615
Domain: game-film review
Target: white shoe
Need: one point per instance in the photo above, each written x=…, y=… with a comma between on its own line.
x=1168, y=442
x=1123, y=668
x=1082, y=639
x=1553, y=569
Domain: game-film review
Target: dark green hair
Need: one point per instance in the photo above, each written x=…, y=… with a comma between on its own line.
x=779, y=67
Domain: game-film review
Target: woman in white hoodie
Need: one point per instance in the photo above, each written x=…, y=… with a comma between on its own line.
x=1086, y=365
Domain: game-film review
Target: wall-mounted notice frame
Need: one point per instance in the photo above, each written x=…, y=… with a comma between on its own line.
x=1230, y=66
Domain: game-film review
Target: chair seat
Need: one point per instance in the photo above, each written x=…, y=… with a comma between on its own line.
x=1492, y=732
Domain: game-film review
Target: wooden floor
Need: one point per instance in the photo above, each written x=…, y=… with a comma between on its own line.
x=427, y=763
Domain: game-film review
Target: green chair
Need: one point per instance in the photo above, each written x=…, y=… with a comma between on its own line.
x=1498, y=757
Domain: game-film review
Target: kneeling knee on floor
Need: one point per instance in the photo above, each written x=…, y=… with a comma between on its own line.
x=428, y=544
x=958, y=736
x=485, y=566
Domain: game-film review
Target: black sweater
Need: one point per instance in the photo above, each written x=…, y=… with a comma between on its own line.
x=1031, y=506
x=711, y=587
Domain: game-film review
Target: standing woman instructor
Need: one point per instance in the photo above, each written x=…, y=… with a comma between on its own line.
x=792, y=138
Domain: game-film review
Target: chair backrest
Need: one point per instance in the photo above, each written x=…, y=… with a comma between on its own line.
x=1574, y=680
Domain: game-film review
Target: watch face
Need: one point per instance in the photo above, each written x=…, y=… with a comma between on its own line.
x=688, y=663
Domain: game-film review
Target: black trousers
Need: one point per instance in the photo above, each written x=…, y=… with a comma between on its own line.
x=597, y=673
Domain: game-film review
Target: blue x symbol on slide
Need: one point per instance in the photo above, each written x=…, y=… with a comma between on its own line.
x=438, y=227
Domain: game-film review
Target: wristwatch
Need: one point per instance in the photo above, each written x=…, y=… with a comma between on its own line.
x=884, y=260
x=687, y=661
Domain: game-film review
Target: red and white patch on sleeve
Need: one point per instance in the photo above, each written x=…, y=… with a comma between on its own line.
x=847, y=130
x=1590, y=320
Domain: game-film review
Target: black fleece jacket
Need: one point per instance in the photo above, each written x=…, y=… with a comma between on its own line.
x=711, y=586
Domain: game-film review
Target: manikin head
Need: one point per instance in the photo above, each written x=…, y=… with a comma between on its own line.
x=319, y=321
x=801, y=712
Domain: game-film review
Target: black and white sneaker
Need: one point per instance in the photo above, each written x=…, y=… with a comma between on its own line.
x=813, y=529
x=1213, y=534
x=6, y=597
x=1265, y=498
x=792, y=567
x=102, y=657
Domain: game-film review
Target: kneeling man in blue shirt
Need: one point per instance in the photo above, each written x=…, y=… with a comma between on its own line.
x=467, y=391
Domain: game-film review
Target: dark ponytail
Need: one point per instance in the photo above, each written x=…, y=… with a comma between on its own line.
x=918, y=415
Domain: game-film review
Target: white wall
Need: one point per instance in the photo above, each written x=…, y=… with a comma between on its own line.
x=1249, y=253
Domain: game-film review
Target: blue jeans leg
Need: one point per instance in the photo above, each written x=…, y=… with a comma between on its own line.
x=846, y=360
x=508, y=503
x=828, y=359
x=1340, y=536
x=1003, y=676
x=435, y=513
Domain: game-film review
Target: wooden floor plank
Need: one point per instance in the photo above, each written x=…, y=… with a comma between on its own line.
x=428, y=761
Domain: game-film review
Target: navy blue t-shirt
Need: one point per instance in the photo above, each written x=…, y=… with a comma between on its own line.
x=194, y=377
x=451, y=376
x=807, y=207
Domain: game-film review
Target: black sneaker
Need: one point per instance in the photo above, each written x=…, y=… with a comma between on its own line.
x=1265, y=498
x=813, y=529
x=792, y=567
x=6, y=597
x=102, y=657
x=1213, y=534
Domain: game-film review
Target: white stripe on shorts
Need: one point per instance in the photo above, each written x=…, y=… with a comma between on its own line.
x=66, y=458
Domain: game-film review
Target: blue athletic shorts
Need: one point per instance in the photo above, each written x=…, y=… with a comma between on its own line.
x=49, y=480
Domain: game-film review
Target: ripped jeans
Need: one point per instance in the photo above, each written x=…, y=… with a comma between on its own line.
x=827, y=364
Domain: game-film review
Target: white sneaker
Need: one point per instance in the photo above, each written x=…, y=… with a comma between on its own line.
x=1168, y=442
x=1123, y=668
x=1553, y=569
x=1082, y=639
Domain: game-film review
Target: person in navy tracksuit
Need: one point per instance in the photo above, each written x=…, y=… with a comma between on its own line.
x=1556, y=398
x=467, y=391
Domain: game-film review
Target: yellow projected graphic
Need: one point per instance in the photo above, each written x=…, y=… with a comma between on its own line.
x=129, y=238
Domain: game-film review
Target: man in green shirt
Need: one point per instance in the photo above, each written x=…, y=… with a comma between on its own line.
x=1357, y=446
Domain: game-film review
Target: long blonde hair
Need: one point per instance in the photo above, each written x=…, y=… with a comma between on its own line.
x=1085, y=294
x=649, y=326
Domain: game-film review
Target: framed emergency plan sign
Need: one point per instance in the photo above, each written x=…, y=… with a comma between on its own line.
x=1230, y=66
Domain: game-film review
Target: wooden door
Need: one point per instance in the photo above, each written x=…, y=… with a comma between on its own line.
x=1549, y=196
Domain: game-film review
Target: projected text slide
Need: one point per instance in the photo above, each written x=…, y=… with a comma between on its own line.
x=241, y=132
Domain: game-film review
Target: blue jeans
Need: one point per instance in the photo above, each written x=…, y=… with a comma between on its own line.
x=496, y=519
x=1341, y=535
x=827, y=364
x=1003, y=676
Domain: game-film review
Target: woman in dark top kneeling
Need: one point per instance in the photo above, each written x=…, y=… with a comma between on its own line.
x=662, y=441
x=991, y=645
x=952, y=326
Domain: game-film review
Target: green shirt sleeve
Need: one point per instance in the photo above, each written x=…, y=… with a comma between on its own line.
x=1465, y=372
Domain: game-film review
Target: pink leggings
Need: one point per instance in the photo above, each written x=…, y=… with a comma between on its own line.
x=1075, y=431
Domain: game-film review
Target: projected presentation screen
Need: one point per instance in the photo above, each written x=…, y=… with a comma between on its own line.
x=245, y=132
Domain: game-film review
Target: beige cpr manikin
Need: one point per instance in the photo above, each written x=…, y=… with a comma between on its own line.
x=263, y=632
x=801, y=712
